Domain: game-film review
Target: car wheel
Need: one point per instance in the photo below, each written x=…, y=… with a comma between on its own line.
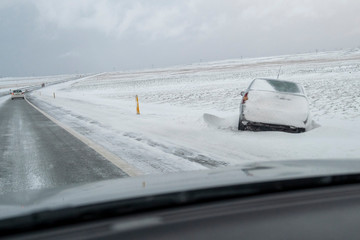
x=301, y=130
x=241, y=126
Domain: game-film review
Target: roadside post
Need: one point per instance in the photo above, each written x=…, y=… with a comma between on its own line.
x=137, y=105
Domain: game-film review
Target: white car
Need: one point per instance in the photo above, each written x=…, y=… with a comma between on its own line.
x=17, y=94
x=269, y=104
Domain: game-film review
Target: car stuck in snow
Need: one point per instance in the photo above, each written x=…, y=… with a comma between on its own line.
x=274, y=105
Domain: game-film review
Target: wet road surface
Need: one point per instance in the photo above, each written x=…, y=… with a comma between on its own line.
x=35, y=153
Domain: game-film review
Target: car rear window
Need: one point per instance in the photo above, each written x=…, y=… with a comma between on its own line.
x=275, y=85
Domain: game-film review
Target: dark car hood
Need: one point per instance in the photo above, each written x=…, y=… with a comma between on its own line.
x=21, y=203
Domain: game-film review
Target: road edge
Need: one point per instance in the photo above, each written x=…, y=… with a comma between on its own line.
x=117, y=161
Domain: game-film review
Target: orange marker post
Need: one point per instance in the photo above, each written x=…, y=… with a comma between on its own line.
x=137, y=105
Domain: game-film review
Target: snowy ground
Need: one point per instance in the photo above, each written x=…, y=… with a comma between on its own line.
x=11, y=83
x=189, y=113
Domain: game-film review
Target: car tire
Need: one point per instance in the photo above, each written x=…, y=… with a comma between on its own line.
x=241, y=126
x=301, y=130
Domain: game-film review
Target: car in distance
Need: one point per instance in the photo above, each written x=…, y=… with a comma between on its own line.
x=17, y=94
x=274, y=105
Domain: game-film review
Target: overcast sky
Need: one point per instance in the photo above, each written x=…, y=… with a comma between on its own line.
x=47, y=37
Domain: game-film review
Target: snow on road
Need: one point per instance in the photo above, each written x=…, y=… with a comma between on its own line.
x=189, y=113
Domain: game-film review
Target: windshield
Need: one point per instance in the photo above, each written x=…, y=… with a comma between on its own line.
x=117, y=96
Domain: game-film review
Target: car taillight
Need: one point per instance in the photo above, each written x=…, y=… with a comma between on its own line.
x=245, y=98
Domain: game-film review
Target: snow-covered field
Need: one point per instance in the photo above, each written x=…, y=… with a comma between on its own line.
x=189, y=113
x=12, y=83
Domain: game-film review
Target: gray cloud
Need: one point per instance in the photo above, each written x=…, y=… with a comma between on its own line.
x=40, y=37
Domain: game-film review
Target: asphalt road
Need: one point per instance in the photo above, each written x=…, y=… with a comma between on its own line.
x=35, y=153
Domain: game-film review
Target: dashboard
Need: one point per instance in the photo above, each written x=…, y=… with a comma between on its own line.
x=321, y=213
